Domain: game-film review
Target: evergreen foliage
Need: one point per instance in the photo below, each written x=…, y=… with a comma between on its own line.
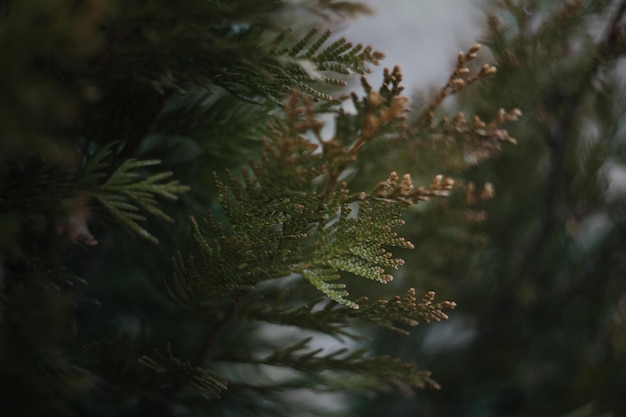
x=127, y=121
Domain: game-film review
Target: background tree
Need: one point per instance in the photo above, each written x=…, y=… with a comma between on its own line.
x=143, y=267
x=540, y=284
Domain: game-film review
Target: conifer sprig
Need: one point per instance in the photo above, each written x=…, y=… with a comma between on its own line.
x=125, y=194
x=476, y=139
x=459, y=79
x=354, y=244
x=379, y=373
x=291, y=205
x=232, y=45
x=214, y=275
x=405, y=311
x=302, y=65
x=301, y=218
x=334, y=319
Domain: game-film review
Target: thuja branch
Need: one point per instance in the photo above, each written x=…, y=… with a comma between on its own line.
x=378, y=111
x=459, y=79
x=291, y=213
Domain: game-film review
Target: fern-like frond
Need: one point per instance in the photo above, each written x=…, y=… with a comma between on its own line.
x=214, y=275
x=335, y=317
x=355, y=244
x=324, y=279
x=300, y=66
x=404, y=311
x=61, y=197
x=126, y=193
x=380, y=372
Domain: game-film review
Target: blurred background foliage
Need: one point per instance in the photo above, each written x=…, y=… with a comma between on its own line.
x=540, y=283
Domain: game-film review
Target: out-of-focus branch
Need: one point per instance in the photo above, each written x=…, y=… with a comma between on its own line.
x=560, y=130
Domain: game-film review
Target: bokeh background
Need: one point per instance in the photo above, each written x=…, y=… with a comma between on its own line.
x=423, y=37
x=540, y=327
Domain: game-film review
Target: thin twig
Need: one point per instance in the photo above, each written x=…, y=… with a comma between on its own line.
x=132, y=147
